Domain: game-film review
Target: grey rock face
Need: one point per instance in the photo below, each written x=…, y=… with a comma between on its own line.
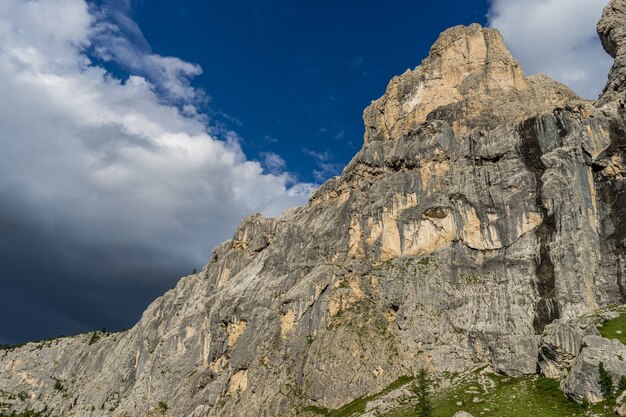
x=612, y=32
x=620, y=410
x=583, y=381
x=462, y=414
x=560, y=344
x=483, y=206
x=515, y=355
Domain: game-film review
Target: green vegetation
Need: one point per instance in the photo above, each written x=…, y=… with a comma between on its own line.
x=163, y=407
x=615, y=329
x=606, y=382
x=424, y=261
x=497, y=396
x=58, y=385
x=11, y=347
x=421, y=389
x=316, y=410
x=95, y=336
x=358, y=406
x=484, y=395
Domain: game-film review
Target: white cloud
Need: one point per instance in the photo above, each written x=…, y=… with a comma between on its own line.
x=91, y=164
x=118, y=38
x=273, y=163
x=557, y=38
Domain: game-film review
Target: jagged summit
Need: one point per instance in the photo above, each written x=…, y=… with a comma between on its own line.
x=469, y=79
x=484, y=213
x=612, y=32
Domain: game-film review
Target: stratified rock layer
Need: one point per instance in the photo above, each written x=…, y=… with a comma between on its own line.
x=483, y=206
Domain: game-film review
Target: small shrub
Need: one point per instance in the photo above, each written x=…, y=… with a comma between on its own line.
x=95, y=336
x=606, y=382
x=58, y=385
x=621, y=386
x=421, y=389
x=163, y=407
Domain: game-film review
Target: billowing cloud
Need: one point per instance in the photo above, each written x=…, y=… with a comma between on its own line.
x=557, y=38
x=107, y=192
x=116, y=37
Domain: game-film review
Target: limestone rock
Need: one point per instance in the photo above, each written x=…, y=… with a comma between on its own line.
x=470, y=80
x=612, y=31
x=583, y=381
x=462, y=414
x=620, y=410
x=483, y=206
x=560, y=344
x=515, y=355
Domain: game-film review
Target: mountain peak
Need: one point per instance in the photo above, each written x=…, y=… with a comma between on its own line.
x=481, y=226
x=471, y=80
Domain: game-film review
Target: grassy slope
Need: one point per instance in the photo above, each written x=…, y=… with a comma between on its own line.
x=497, y=397
x=357, y=406
x=508, y=397
x=615, y=329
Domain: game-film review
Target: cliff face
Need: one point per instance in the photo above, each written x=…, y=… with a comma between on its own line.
x=483, y=206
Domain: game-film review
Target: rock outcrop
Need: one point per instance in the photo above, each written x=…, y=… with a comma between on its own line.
x=583, y=381
x=612, y=31
x=483, y=206
x=561, y=342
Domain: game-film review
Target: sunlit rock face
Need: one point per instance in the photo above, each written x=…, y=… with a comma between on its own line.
x=470, y=80
x=483, y=206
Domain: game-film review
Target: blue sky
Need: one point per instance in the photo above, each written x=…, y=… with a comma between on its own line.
x=136, y=135
x=293, y=78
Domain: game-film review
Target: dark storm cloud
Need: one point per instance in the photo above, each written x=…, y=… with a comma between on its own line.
x=108, y=194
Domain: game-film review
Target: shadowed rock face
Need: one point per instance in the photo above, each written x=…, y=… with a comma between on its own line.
x=483, y=206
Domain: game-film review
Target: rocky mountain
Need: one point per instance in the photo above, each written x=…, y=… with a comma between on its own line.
x=482, y=223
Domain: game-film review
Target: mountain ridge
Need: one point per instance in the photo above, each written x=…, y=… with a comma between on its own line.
x=485, y=210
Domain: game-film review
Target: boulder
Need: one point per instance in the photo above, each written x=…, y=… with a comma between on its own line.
x=620, y=410
x=583, y=381
x=560, y=343
x=515, y=355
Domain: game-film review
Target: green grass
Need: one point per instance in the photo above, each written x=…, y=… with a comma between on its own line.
x=507, y=397
x=615, y=329
x=497, y=396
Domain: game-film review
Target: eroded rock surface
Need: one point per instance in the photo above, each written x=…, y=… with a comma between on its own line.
x=612, y=31
x=561, y=342
x=583, y=381
x=483, y=206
